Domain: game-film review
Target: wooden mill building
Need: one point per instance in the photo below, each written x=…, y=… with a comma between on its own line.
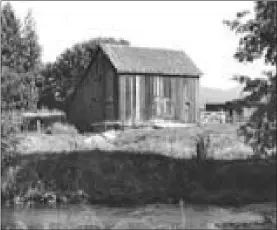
x=135, y=86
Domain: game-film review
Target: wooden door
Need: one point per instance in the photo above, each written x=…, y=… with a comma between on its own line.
x=162, y=106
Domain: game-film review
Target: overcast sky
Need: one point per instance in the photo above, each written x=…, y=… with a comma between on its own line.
x=194, y=27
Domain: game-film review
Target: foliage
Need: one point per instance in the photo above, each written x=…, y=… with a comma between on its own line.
x=10, y=38
x=61, y=77
x=122, y=178
x=258, y=36
x=31, y=48
x=20, y=60
x=18, y=90
x=62, y=128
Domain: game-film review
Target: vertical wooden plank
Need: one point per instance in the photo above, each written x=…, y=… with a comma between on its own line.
x=185, y=114
x=182, y=99
x=190, y=88
x=173, y=97
x=103, y=86
x=152, y=94
x=170, y=98
x=196, y=101
x=142, y=98
x=133, y=98
x=115, y=96
x=122, y=98
x=128, y=98
x=110, y=97
x=120, y=92
x=193, y=93
x=146, y=99
x=157, y=112
x=154, y=81
x=188, y=99
x=150, y=97
x=137, y=93
x=178, y=99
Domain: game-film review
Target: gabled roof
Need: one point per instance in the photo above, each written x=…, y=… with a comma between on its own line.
x=137, y=60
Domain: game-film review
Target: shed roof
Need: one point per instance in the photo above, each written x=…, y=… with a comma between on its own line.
x=137, y=60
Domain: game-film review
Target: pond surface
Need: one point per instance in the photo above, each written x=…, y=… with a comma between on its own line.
x=149, y=216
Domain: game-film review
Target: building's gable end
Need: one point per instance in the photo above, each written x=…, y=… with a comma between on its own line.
x=95, y=98
x=83, y=77
x=108, y=58
x=85, y=104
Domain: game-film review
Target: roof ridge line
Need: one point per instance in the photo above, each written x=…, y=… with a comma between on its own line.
x=144, y=47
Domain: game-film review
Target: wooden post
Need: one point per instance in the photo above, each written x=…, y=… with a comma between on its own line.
x=201, y=150
x=38, y=125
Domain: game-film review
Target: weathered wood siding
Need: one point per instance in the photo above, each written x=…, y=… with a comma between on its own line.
x=104, y=95
x=96, y=99
x=144, y=98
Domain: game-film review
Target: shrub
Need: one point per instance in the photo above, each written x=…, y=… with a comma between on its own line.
x=62, y=128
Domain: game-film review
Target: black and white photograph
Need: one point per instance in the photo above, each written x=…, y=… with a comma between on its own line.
x=138, y=114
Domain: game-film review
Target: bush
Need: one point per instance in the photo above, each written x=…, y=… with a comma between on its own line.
x=62, y=128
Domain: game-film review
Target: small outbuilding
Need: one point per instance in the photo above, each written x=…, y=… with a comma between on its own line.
x=134, y=86
x=234, y=111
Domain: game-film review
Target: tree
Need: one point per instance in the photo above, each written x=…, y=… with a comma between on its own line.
x=31, y=54
x=20, y=57
x=61, y=77
x=20, y=60
x=258, y=36
x=31, y=48
x=10, y=38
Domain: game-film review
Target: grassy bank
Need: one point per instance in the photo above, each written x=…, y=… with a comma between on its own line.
x=130, y=178
x=173, y=142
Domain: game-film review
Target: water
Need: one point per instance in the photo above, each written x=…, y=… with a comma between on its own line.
x=149, y=216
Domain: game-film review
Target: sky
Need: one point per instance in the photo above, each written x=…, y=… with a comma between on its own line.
x=195, y=27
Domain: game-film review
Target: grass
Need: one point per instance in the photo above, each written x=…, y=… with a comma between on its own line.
x=137, y=167
x=173, y=142
x=122, y=178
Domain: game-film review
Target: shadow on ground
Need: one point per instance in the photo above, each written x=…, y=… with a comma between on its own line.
x=120, y=178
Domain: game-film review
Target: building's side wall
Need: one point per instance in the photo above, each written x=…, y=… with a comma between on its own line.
x=95, y=98
x=145, y=97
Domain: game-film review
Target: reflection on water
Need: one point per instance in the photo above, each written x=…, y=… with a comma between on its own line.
x=150, y=216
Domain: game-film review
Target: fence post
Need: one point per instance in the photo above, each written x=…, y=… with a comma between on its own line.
x=38, y=125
